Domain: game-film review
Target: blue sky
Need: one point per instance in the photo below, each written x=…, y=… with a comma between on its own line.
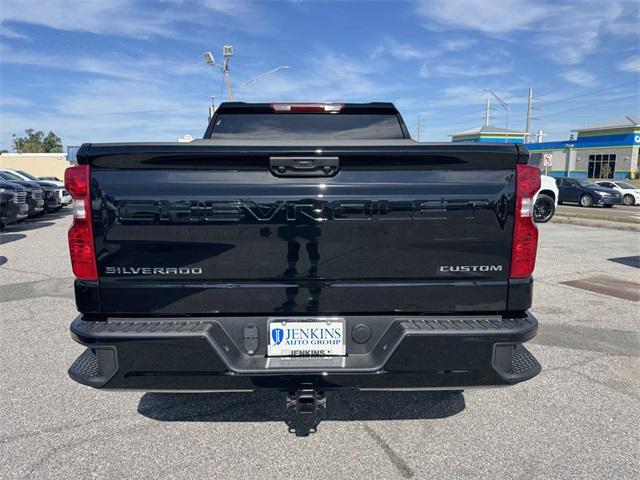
x=132, y=70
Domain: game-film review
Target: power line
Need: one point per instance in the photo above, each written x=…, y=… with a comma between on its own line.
x=456, y=116
x=626, y=70
x=590, y=93
x=591, y=105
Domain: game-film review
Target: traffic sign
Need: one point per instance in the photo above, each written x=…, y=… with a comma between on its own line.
x=547, y=160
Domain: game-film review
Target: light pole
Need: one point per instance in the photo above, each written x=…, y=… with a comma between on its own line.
x=504, y=105
x=227, y=53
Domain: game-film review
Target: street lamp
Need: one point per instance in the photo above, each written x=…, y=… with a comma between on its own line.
x=504, y=105
x=255, y=80
x=227, y=53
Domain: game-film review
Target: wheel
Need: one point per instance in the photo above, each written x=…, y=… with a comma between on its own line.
x=628, y=200
x=586, y=200
x=543, y=209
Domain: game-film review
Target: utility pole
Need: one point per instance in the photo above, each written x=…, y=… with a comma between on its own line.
x=504, y=105
x=486, y=113
x=419, y=127
x=212, y=107
x=527, y=129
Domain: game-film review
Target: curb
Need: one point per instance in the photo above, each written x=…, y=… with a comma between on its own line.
x=594, y=222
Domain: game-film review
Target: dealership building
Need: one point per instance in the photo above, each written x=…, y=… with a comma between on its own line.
x=489, y=133
x=606, y=150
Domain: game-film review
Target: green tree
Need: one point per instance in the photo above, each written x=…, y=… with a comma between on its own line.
x=36, y=142
x=52, y=143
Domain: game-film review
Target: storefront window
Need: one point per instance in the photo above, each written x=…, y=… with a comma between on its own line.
x=601, y=166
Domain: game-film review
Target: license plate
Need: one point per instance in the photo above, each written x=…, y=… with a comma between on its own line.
x=306, y=338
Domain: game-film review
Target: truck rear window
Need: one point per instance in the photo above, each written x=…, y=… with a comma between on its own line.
x=324, y=126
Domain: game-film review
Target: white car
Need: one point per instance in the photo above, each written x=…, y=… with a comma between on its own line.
x=65, y=197
x=546, y=200
x=630, y=194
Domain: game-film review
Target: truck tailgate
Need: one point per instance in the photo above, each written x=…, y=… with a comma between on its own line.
x=207, y=229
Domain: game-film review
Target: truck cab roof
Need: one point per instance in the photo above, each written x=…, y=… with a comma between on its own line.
x=318, y=120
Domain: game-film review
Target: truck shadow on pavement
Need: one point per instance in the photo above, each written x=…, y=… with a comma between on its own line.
x=10, y=237
x=268, y=406
x=28, y=225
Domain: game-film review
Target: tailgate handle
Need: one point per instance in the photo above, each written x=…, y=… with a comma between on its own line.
x=304, y=166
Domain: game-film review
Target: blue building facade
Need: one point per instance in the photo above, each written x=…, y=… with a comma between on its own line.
x=604, y=151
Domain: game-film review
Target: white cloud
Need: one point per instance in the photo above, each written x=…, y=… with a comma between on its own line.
x=631, y=64
x=398, y=50
x=326, y=76
x=463, y=70
x=457, y=44
x=12, y=101
x=113, y=110
x=12, y=33
x=424, y=71
x=496, y=16
x=579, y=77
x=565, y=31
x=119, y=17
x=407, y=51
x=129, y=18
x=569, y=34
x=142, y=68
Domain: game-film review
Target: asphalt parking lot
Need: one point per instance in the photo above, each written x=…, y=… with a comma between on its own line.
x=580, y=418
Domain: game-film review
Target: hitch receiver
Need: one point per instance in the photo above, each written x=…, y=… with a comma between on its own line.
x=306, y=401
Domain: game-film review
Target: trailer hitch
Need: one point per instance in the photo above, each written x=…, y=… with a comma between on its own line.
x=306, y=401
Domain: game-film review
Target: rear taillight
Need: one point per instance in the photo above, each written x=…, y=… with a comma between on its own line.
x=525, y=232
x=81, y=249
x=307, y=107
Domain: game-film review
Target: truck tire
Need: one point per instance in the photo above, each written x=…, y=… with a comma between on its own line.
x=628, y=200
x=586, y=200
x=544, y=208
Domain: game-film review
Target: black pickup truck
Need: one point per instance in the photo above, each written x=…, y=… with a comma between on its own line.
x=303, y=247
x=13, y=203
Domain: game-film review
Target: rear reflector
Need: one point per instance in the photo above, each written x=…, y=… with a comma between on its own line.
x=81, y=248
x=525, y=232
x=307, y=107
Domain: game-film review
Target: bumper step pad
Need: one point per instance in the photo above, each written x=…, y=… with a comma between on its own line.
x=91, y=367
x=86, y=365
x=523, y=362
x=515, y=363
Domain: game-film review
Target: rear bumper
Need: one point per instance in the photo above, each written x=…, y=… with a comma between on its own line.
x=213, y=354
